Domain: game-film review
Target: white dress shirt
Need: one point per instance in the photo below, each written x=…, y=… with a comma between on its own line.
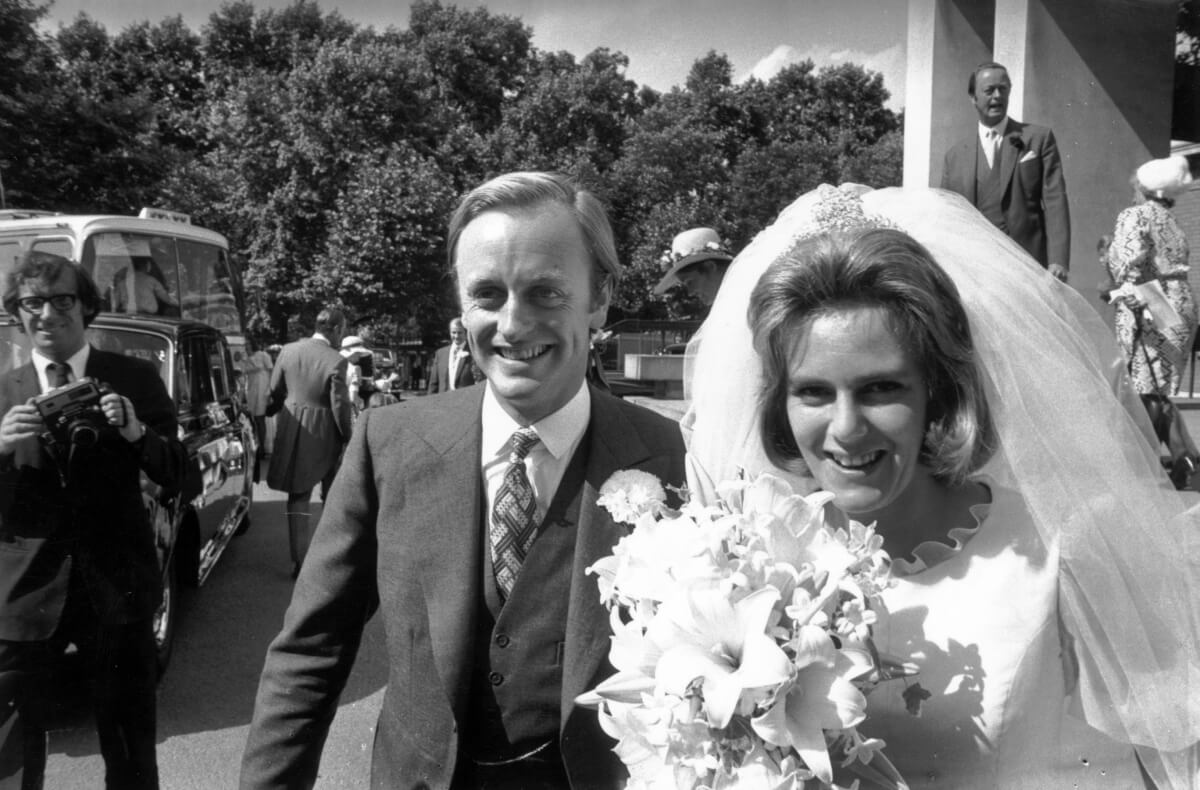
x=78, y=362
x=559, y=435
x=990, y=137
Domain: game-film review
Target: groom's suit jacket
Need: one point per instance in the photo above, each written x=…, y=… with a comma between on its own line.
x=1034, y=194
x=403, y=532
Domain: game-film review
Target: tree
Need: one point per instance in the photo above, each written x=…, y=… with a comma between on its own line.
x=567, y=113
x=27, y=71
x=475, y=57
x=384, y=259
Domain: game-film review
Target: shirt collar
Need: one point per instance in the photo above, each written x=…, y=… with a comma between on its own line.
x=78, y=362
x=1001, y=127
x=559, y=432
x=322, y=338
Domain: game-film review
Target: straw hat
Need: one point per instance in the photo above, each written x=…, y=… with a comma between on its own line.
x=353, y=348
x=1164, y=178
x=691, y=246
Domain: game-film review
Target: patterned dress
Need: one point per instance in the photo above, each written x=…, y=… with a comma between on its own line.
x=1147, y=244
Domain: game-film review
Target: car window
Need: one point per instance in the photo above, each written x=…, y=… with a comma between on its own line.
x=218, y=364
x=200, y=390
x=155, y=349
x=111, y=257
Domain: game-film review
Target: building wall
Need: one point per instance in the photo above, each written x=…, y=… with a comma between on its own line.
x=1100, y=73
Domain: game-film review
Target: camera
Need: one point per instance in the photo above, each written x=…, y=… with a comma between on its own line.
x=72, y=413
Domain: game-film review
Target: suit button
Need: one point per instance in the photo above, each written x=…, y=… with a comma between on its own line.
x=502, y=640
x=495, y=678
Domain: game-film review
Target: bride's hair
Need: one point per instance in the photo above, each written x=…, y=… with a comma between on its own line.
x=889, y=269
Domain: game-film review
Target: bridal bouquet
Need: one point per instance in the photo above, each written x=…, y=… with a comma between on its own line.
x=741, y=638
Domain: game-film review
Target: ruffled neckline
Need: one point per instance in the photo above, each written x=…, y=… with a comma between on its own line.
x=933, y=552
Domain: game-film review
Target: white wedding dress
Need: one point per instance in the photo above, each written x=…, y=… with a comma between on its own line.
x=1063, y=626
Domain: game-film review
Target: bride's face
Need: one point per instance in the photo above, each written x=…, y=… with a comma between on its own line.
x=856, y=405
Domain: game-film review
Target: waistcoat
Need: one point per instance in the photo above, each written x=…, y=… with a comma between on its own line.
x=516, y=687
x=988, y=193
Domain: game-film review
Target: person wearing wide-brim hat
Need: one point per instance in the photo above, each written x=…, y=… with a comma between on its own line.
x=697, y=260
x=359, y=371
x=1150, y=249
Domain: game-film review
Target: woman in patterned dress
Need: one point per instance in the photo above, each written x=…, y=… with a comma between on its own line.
x=1147, y=245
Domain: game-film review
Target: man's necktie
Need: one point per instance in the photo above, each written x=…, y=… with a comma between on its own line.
x=59, y=373
x=994, y=148
x=514, y=514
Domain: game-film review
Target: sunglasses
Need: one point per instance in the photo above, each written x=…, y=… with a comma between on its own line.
x=60, y=302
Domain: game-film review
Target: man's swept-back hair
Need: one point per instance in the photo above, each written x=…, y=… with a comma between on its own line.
x=991, y=64
x=888, y=269
x=46, y=267
x=524, y=190
x=330, y=320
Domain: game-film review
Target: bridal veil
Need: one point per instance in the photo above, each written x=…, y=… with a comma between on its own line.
x=1074, y=441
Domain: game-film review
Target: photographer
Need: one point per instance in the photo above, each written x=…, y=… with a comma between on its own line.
x=77, y=555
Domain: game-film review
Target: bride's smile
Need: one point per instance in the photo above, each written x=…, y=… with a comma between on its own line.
x=856, y=405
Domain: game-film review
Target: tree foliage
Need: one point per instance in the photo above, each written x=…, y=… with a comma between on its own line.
x=331, y=155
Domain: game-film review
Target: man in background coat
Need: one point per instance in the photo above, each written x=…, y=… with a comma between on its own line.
x=485, y=657
x=77, y=553
x=452, y=364
x=313, y=418
x=1012, y=172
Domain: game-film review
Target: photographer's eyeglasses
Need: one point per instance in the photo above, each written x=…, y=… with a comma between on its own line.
x=60, y=302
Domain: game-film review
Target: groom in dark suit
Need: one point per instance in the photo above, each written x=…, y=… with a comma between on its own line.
x=1012, y=172
x=468, y=521
x=77, y=553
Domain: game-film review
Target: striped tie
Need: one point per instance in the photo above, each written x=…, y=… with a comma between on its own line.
x=59, y=374
x=513, y=514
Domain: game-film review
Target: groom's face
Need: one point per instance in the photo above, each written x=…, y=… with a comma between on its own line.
x=525, y=285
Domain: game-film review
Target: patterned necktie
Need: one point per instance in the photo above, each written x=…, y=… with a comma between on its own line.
x=994, y=147
x=59, y=374
x=513, y=514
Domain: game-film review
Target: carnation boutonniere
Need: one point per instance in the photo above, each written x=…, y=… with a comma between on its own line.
x=1016, y=142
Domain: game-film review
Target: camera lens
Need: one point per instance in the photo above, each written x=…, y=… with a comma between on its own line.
x=83, y=434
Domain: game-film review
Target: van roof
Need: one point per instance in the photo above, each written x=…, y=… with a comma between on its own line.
x=81, y=224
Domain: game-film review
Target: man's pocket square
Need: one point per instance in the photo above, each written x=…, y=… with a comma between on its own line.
x=1029, y=155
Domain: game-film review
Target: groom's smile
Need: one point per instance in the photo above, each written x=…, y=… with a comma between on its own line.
x=525, y=284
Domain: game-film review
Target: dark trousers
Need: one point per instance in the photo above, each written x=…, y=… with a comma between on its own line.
x=120, y=665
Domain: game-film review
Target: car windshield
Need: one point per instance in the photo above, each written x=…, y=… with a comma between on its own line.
x=14, y=347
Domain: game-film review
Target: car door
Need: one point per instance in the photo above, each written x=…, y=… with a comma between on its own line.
x=216, y=436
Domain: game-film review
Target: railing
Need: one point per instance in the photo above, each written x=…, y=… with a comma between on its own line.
x=637, y=336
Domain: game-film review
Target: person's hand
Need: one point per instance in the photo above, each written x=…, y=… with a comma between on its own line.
x=118, y=410
x=1058, y=271
x=20, y=423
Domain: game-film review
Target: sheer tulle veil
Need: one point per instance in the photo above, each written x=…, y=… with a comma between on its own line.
x=1073, y=441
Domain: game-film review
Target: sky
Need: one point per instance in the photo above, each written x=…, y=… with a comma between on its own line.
x=662, y=38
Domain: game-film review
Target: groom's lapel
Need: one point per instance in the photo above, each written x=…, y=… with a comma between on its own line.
x=614, y=445
x=451, y=570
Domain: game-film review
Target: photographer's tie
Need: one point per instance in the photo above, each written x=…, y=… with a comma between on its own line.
x=59, y=374
x=514, y=514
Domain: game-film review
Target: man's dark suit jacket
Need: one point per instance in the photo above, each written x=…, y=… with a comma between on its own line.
x=403, y=531
x=99, y=524
x=1034, y=197
x=439, y=378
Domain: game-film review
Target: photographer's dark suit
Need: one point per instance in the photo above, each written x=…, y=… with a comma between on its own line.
x=78, y=563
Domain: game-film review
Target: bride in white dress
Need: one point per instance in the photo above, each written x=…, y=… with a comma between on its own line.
x=895, y=349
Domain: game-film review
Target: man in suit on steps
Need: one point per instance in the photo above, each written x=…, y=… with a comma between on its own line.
x=1012, y=172
x=467, y=521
